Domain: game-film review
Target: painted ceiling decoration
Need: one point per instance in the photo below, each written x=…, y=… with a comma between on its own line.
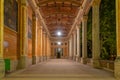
x=59, y=15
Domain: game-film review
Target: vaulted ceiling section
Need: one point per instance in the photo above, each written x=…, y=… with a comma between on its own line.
x=59, y=15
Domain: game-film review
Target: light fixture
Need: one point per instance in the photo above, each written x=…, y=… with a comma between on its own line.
x=59, y=43
x=59, y=33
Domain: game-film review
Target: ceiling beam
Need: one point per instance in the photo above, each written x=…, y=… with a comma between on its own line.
x=62, y=13
x=71, y=1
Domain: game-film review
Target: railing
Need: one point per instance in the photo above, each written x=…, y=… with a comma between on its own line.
x=105, y=64
x=108, y=65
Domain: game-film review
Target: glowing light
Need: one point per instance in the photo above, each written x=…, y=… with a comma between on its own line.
x=59, y=33
x=59, y=43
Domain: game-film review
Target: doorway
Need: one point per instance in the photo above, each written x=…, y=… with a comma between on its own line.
x=58, y=52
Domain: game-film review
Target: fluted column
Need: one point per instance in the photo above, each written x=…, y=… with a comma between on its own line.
x=84, y=39
x=34, y=38
x=22, y=33
x=78, y=43
x=117, y=61
x=95, y=33
x=2, y=65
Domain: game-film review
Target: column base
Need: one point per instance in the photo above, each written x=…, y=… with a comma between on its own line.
x=74, y=58
x=48, y=57
x=2, y=68
x=117, y=68
x=70, y=57
x=39, y=59
x=96, y=63
x=34, y=60
x=77, y=59
x=44, y=58
x=22, y=62
x=84, y=60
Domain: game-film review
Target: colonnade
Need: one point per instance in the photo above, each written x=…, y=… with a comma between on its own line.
x=95, y=39
x=75, y=40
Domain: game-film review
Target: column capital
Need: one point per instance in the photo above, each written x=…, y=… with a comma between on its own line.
x=85, y=18
x=96, y=2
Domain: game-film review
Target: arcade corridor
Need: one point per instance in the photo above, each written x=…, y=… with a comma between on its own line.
x=59, y=39
x=61, y=69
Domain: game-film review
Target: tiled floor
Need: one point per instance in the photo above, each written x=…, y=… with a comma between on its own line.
x=60, y=69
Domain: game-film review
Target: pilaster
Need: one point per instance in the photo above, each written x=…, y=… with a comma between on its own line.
x=22, y=34
x=95, y=33
x=2, y=65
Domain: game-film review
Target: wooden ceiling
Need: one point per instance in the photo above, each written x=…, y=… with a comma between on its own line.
x=59, y=15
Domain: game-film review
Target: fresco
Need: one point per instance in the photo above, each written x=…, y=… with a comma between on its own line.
x=11, y=14
x=29, y=28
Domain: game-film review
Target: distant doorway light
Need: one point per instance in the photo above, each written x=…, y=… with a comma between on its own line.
x=59, y=33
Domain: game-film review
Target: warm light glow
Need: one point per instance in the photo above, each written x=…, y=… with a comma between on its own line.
x=59, y=43
x=59, y=33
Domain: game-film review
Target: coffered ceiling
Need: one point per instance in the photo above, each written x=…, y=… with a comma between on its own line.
x=59, y=15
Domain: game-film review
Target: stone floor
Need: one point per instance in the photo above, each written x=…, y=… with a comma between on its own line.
x=60, y=69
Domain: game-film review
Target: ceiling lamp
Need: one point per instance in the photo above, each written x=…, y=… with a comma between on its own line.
x=59, y=33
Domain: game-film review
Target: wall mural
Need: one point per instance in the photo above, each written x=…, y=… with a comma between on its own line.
x=29, y=28
x=11, y=14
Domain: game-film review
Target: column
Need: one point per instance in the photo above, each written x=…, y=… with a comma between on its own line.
x=43, y=40
x=49, y=48
x=44, y=54
x=95, y=33
x=45, y=57
x=22, y=34
x=117, y=61
x=84, y=40
x=2, y=65
x=52, y=52
x=47, y=44
x=74, y=56
x=78, y=43
x=34, y=38
x=70, y=55
x=41, y=44
x=72, y=50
